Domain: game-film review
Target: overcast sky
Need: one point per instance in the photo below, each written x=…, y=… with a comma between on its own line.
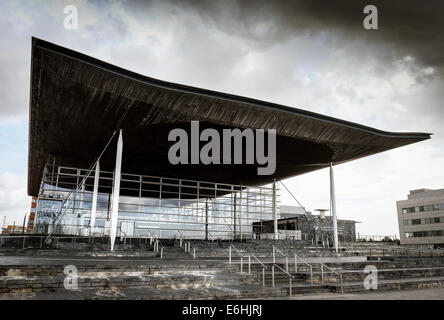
x=309, y=55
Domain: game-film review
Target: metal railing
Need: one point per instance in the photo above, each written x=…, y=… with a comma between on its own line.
x=283, y=254
x=338, y=275
x=296, y=257
x=186, y=244
x=290, y=277
x=248, y=255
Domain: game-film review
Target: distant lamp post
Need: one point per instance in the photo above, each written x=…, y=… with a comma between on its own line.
x=24, y=221
x=4, y=221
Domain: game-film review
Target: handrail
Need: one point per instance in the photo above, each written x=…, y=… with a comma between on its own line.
x=246, y=255
x=290, y=277
x=160, y=242
x=249, y=255
x=238, y=252
x=156, y=241
x=187, y=244
x=263, y=265
x=279, y=251
x=300, y=258
x=287, y=273
x=296, y=256
x=335, y=272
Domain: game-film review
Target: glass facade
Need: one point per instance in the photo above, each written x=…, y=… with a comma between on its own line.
x=150, y=205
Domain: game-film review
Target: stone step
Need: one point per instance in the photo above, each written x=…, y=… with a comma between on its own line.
x=354, y=275
x=353, y=265
x=392, y=284
x=149, y=293
x=358, y=275
x=55, y=270
x=161, y=279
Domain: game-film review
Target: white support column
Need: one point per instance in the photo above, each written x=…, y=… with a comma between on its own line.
x=274, y=211
x=95, y=195
x=240, y=212
x=333, y=208
x=116, y=191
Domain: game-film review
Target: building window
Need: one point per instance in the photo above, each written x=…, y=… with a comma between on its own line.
x=410, y=222
x=433, y=233
x=430, y=207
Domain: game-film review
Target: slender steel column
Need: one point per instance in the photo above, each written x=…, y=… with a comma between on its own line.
x=240, y=212
x=333, y=208
x=116, y=191
x=95, y=195
x=234, y=215
x=274, y=211
x=206, y=218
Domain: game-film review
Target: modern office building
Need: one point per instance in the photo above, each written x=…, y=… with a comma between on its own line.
x=421, y=218
x=99, y=152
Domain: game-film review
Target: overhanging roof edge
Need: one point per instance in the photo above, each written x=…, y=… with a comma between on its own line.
x=215, y=94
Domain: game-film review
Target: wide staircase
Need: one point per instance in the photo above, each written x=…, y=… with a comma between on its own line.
x=193, y=269
x=386, y=269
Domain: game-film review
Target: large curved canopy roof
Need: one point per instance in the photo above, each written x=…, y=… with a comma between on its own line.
x=77, y=102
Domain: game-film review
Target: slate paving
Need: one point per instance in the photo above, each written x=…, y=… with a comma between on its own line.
x=412, y=294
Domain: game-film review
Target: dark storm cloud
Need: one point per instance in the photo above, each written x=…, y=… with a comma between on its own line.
x=406, y=27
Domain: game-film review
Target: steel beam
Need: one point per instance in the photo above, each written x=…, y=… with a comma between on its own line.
x=240, y=212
